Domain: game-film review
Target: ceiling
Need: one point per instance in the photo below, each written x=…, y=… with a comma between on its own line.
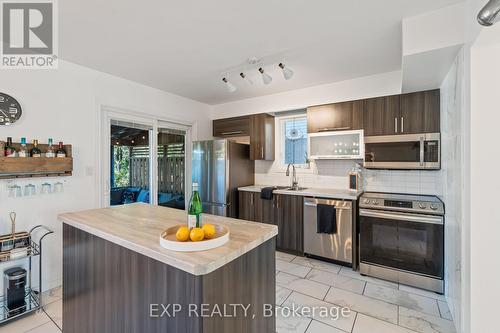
x=185, y=47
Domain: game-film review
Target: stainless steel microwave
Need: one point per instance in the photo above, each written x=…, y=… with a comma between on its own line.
x=403, y=152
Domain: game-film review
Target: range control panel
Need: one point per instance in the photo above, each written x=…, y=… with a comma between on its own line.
x=402, y=202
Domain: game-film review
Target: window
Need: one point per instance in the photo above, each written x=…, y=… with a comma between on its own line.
x=293, y=137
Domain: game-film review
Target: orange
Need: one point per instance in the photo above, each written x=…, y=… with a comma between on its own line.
x=182, y=234
x=209, y=230
x=196, y=234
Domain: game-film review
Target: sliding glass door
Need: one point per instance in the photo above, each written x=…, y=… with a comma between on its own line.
x=128, y=173
x=171, y=168
x=130, y=165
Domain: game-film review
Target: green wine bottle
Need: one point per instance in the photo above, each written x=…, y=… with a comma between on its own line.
x=195, y=209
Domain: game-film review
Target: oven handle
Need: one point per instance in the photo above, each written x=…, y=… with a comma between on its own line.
x=402, y=216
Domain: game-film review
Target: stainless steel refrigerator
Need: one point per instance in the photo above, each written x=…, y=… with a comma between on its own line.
x=219, y=168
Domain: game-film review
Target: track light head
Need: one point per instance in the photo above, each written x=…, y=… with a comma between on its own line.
x=230, y=87
x=266, y=78
x=287, y=72
x=246, y=78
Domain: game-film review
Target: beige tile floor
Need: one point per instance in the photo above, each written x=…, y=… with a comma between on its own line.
x=377, y=306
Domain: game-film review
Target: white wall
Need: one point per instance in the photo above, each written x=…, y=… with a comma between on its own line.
x=484, y=185
x=365, y=87
x=62, y=104
x=434, y=30
x=452, y=112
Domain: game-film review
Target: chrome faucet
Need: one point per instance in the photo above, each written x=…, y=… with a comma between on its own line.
x=295, y=183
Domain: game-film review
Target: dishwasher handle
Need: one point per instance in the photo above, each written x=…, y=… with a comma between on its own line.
x=315, y=205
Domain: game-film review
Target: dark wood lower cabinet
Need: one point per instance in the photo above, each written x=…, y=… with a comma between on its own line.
x=246, y=206
x=290, y=221
x=109, y=288
x=285, y=211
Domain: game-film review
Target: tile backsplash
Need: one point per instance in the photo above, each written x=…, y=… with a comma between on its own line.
x=333, y=174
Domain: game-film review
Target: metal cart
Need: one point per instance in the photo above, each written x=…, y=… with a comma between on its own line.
x=33, y=295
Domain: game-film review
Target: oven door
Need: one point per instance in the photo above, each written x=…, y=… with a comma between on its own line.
x=412, y=151
x=408, y=242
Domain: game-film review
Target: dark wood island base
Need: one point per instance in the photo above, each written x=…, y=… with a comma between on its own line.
x=111, y=289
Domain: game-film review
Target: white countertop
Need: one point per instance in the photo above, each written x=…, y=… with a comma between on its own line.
x=137, y=227
x=329, y=193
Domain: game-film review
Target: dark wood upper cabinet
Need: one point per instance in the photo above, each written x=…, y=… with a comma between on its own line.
x=335, y=117
x=420, y=112
x=402, y=114
x=259, y=128
x=231, y=127
x=380, y=116
x=330, y=117
x=262, y=137
x=358, y=114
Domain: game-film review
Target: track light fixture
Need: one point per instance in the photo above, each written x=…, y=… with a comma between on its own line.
x=246, y=78
x=287, y=72
x=266, y=78
x=230, y=87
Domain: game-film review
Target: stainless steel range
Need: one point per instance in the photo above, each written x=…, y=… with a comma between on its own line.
x=402, y=239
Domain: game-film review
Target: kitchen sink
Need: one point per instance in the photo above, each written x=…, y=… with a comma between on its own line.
x=288, y=188
x=296, y=188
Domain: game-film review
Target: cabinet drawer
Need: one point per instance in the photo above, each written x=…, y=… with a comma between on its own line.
x=231, y=127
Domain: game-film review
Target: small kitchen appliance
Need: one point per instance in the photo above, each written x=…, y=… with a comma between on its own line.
x=14, y=290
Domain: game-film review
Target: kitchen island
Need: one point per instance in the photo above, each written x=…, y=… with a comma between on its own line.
x=117, y=277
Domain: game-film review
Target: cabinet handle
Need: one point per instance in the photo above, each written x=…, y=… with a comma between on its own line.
x=277, y=201
x=262, y=152
x=251, y=199
x=402, y=124
x=422, y=151
x=395, y=124
x=326, y=129
x=232, y=133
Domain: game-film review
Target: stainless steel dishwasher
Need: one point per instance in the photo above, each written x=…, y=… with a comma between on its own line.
x=337, y=246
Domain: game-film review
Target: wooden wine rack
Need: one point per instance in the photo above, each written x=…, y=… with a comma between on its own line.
x=25, y=167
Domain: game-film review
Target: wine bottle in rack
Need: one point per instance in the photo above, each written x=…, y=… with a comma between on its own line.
x=35, y=151
x=10, y=151
x=60, y=151
x=50, y=150
x=23, y=151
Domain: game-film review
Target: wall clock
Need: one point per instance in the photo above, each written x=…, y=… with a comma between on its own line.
x=10, y=109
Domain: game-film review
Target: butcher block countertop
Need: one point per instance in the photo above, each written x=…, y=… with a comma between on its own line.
x=137, y=227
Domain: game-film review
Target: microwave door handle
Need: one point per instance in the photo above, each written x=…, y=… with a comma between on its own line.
x=422, y=151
